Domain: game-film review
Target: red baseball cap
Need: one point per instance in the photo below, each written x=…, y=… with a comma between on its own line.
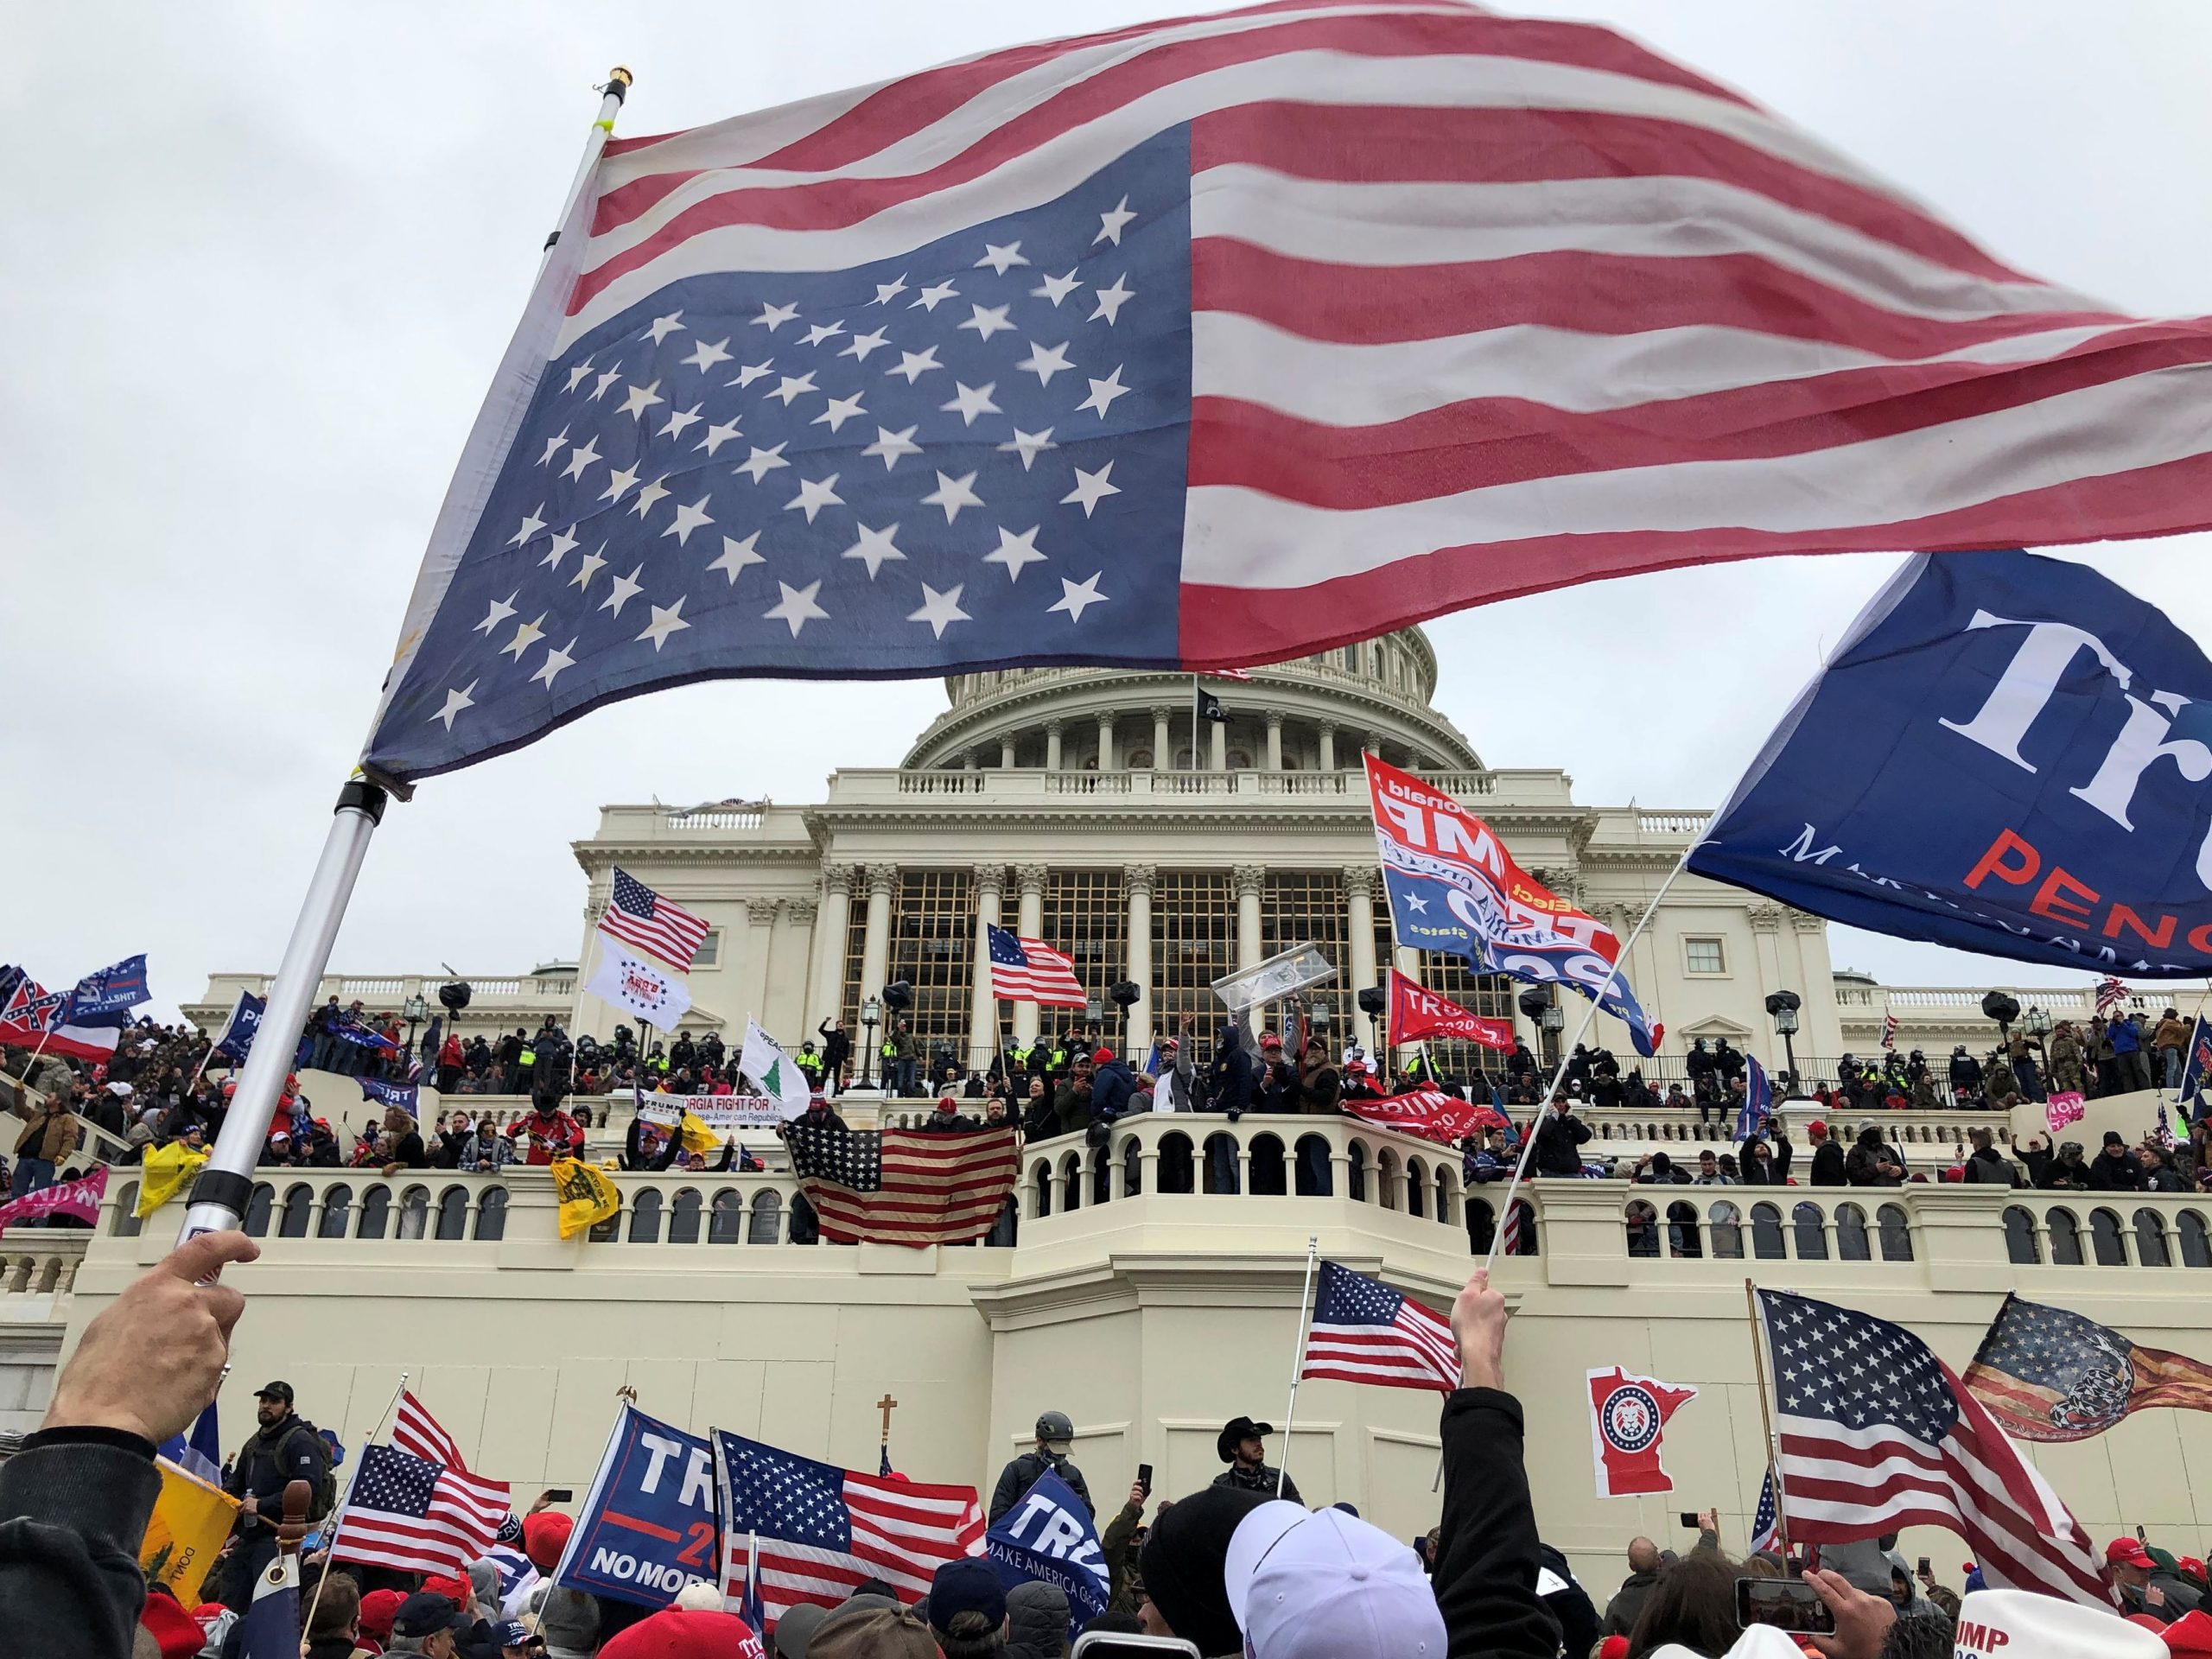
x=2190, y=1633
x=378, y=1609
x=544, y=1536
x=176, y=1631
x=1101, y=1057
x=687, y=1634
x=2128, y=1552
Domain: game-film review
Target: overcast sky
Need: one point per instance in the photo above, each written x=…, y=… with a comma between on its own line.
x=263, y=259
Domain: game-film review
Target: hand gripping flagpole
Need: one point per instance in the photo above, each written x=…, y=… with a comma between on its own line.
x=1305, y=1335
x=225, y=1181
x=1566, y=1051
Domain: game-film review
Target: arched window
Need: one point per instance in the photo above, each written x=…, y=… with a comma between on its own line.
x=1850, y=1242
x=126, y=1212
x=2020, y=1247
x=1416, y=1187
x=1267, y=1167
x=1728, y=1232
x=2195, y=1244
x=2065, y=1238
x=1682, y=1239
x=1643, y=1222
x=1071, y=1182
x=1482, y=1226
x=376, y=1212
x=1175, y=1167
x=1132, y=1169
x=1314, y=1178
x=1040, y=1186
x=1766, y=1232
x=337, y=1211
x=299, y=1200
x=257, y=1210
x=491, y=1214
x=1447, y=1194
x=1524, y=1220
x=1386, y=1177
x=1807, y=1221
x=414, y=1212
x=2150, y=1239
x=767, y=1217
x=644, y=1215
x=1895, y=1230
x=726, y=1217
x=683, y=1216
x=1220, y=1173
x=2104, y=1241
x=453, y=1212
x=1356, y=1176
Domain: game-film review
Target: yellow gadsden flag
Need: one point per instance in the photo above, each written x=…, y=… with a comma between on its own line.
x=587, y=1197
x=168, y=1169
x=698, y=1137
x=191, y=1520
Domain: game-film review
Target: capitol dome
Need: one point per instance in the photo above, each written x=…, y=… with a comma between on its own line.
x=1311, y=714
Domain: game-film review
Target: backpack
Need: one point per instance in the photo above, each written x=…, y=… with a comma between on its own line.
x=325, y=1497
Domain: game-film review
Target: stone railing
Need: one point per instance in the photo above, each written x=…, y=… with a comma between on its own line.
x=1030, y=782
x=1948, y=1002
x=1616, y=1130
x=38, y=1269
x=387, y=993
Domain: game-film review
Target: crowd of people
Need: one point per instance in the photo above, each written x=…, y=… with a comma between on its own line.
x=1238, y=1567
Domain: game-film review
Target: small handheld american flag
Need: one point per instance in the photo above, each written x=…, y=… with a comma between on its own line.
x=641, y=919
x=1029, y=970
x=1364, y=1331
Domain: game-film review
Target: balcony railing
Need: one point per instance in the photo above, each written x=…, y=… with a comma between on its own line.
x=38, y=1269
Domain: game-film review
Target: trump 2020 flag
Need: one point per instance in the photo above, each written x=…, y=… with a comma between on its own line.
x=630, y=982
x=2196, y=1063
x=240, y=1031
x=1048, y=1537
x=2005, y=753
x=1224, y=339
x=1454, y=887
x=1758, y=1100
x=1627, y=1416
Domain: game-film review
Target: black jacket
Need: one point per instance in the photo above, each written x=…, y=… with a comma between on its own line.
x=1828, y=1163
x=1627, y=1605
x=1558, y=1144
x=1987, y=1167
x=1230, y=1080
x=2117, y=1172
x=1262, y=1479
x=1018, y=1476
x=272, y=1459
x=74, y=1509
x=1486, y=1550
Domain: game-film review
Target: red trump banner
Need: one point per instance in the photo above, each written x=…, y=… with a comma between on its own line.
x=80, y=1200
x=1429, y=1113
x=1417, y=1012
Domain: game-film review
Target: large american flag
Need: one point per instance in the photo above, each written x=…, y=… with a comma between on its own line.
x=1878, y=1433
x=641, y=919
x=823, y=1530
x=416, y=1516
x=1222, y=338
x=1029, y=970
x=900, y=1186
x=1364, y=1331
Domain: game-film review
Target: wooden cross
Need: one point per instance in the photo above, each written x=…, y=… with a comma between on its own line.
x=886, y=1406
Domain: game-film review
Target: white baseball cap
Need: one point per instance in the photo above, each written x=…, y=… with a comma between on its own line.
x=1328, y=1586
x=2022, y=1624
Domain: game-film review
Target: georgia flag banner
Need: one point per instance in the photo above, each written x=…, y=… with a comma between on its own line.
x=1221, y=340
x=1627, y=1415
x=1454, y=887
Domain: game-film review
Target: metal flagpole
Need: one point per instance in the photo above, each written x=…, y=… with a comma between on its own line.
x=1766, y=1416
x=1305, y=1334
x=1567, y=1053
x=1194, y=722
x=225, y=1181
x=338, y=1515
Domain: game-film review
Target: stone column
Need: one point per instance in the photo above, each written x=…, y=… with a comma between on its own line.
x=875, y=942
x=1051, y=745
x=759, y=933
x=1136, y=885
x=1328, y=745
x=983, y=1007
x=1163, y=749
x=968, y=761
x=824, y=1000
x=1359, y=920
x=1218, y=743
x=1275, y=740
x=782, y=1002
x=1107, y=758
x=1029, y=923
x=1005, y=754
x=1251, y=881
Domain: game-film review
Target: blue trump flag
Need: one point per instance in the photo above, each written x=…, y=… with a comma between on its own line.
x=106, y=997
x=1047, y=1535
x=1758, y=1100
x=402, y=1095
x=239, y=1032
x=647, y=1526
x=2196, y=1062
x=2005, y=753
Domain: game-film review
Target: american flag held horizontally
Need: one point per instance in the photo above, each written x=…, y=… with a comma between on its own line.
x=414, y=1515
x=1364, y=1331
x=900, y=1186
x=1225, y=339
x=640, y=918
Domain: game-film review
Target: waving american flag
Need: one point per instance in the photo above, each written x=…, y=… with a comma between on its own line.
x=1364, y=1331
x=1222, y=338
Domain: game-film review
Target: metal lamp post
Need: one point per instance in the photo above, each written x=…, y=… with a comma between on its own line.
x=871, y=1016
x=1553, y=1022
x=1784, y=1006
x=416, y=1010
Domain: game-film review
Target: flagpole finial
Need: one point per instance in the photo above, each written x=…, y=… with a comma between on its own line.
x=618, y=80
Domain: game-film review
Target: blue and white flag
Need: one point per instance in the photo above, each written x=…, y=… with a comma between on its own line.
x=270, y=1628
x=1758, y=1102
x=1048, y=1536
x=239, y=1032
x=106, y=998
x=2005, y=753
x=1766, y=1532
x=402, y=1095
x=347, y=1029
x=198, y=1451
x=2196, y=1062
x=648, y=1525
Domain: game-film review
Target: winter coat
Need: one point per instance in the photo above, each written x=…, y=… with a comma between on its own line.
x=1990, y=1167
x=1262, y=1479
x=1827, y=1164
x=1558, y=1143
x=1111, y=1086
x=1020, y=1474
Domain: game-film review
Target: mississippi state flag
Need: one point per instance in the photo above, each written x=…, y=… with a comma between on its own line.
x=1224, y=339
x=1627, y=1415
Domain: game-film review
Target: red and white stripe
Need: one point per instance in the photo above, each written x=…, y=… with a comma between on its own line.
x=1841, y=1484
x=464, y=1519
x=1516, y=1219
x=414, y=1432
x=1415, y=1350
x=901, y=1534
x=935, y=1189
x=1481, y=305
x=1889, y=1031
x=671, y=933
x=1049, y=978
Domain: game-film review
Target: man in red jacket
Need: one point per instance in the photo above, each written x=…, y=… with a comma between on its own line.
x=552, y=1133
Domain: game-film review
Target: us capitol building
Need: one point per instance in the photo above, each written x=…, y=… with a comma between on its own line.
x=1066, y=803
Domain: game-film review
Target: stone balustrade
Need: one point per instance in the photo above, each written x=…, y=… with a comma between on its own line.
x=38, y=1268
